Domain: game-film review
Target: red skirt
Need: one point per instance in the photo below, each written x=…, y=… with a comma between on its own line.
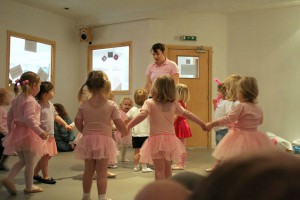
x=182, y=129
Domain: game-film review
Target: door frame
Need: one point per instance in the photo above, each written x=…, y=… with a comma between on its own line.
x=209, y=50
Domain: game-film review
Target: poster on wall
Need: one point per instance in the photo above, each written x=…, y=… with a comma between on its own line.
x=115, y=63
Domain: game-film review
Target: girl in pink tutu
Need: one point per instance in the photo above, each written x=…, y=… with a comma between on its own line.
x=24, y=133
x=162, y=146
x=124, y=142
x=182, y=128
x=48, y=116
x=97, y=147
x=224, y=106
x=243, y=136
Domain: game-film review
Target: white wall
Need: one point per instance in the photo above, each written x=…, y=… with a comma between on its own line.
x=27, y=20
x=211, y=30
x=266, y=44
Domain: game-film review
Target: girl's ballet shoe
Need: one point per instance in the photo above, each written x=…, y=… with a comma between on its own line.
x=11, y=188
x=178, y=167
x=111, y=175
x=211, y=169
x=35, y=190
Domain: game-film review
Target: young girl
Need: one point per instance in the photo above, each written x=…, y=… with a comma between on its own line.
x=182, y=128
x=64, y=138
x=93, y=120
x=5, y=99
x=48, y=116
x=224, y=106
x=162, y=146
x=141, y=131
x=243, y=136
x=24, y=133
x=124, y=142
x=221, y=93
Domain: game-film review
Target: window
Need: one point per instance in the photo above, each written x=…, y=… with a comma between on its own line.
x=115, y=61
x=188, y=66
x=29, y=53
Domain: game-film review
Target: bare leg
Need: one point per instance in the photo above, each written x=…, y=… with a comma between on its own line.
x=37, y=168
x=44, y=166
x=168, y=169
x=101, y=169
x=89, y=169
x=159, y=165
x=136, y=157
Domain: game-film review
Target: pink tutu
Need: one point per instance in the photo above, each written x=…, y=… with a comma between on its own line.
x=51, y=146
x=22, y=138
x=182, y=129
x=123, y=141
x=159, y=146
x=96, y=146
x=239, y=142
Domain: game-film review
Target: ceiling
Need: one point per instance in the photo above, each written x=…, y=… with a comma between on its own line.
x=103, y=12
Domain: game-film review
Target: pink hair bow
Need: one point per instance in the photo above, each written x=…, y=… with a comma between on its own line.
x=25, y=82
x=217, y=81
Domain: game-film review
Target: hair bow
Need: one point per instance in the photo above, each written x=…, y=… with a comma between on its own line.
x=217, y=81
x=25, y=82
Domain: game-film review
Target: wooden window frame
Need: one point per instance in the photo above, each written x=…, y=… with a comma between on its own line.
x=35, y=39
x=108, y=46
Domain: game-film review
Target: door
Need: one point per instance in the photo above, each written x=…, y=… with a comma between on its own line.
x=195, y=71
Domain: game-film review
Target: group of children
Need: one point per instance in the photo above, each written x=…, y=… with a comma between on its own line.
x=157, y=126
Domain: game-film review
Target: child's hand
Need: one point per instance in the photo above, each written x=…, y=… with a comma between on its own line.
x=44, y=135
x=68, y=127
x=203, y=127
x=209, y=126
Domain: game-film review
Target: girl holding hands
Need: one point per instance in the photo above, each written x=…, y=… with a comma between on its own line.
x=243, y=136
x=162, y=146
x=48, y=117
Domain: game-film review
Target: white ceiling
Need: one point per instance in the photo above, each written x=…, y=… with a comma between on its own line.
x=103, y=12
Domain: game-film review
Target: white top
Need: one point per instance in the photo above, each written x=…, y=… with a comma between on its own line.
x=48, y=114
x=222, y=109
x=143, y=128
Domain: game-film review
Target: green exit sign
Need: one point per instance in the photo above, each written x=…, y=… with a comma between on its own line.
x=189, y=38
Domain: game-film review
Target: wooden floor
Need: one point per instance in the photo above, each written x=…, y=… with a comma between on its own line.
x=68, y=173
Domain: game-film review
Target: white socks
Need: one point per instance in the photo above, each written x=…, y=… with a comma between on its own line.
x=144, y=166
x=102, y=197
x=86, y=196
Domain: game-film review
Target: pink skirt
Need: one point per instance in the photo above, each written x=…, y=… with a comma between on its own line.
x=123, y=141
x=159, y=146
x=22, y=138
x=240, y=142
x=182, y=129
x=51, y=146
x=96, y=146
